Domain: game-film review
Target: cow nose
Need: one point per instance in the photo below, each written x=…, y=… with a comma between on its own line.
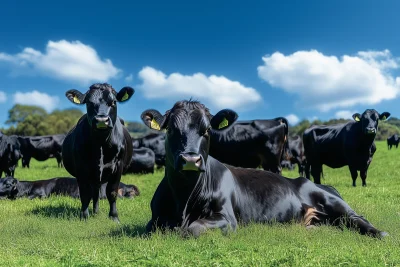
x=371, y=130
x=102, y=121
x=191, y=162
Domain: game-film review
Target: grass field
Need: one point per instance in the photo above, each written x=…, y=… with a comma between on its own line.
x=49, y=233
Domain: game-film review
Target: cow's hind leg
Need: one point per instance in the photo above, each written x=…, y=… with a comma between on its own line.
x=112, y=195
x=214, y=221
x=354, y=174
x=96, y=196
x=85, y=192
x=316, y=170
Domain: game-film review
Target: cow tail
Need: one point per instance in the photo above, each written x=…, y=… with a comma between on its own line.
x=286, y=150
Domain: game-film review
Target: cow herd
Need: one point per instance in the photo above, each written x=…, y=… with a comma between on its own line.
x=211, y=165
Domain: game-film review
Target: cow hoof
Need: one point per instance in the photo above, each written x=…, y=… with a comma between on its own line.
x=354, y=185
x=364, y=185
x=383, y=234
x=115, y=219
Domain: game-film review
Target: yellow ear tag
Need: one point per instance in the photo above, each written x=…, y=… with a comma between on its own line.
x=125, y=97
x=76, y=100
x=384, y=118
x=223, y=123
x=154, y=125
x=357, y=119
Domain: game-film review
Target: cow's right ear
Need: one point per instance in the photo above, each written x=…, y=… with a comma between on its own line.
x=153, y=119
x=223, y=119
x=357, y=116
x=75, y=96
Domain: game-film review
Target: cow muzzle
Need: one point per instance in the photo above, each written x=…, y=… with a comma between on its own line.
x=370, y=130
x=192, y=162
x=102, y=122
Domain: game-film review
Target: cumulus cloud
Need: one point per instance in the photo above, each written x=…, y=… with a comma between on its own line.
x=292, y=119
x=218, y=91
x=64, y=60
x=36, y=98
x=129, y=78
x=327, y=82
x=3, y=97
x=344, y=114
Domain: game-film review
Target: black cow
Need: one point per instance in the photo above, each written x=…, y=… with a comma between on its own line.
x=199, y=192
x=393, y=141
x=297, y=155
x=9, y=154
x=339, y=145
x=41, y=148
x=142, y=161
x=12, y=188
x=251, y=144
x=99, y=148
x=154, y=141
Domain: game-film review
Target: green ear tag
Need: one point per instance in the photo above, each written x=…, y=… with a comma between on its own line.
x=357, y=119
x=76, y=100
x=154, y=125
x=223, y=123
x=125, y=97
x=384, y=118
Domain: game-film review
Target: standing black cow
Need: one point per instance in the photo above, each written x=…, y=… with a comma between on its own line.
x=339, y=145
x=297, y=155
x=251, y=144
x=142, y=161
x=99, y=148
x=393, y=141
x=199, y=192
x=9, y=154
x=155, y=142
x=41, y=148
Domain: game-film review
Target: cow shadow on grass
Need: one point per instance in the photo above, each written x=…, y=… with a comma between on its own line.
x=130, y=231
x=60, y=211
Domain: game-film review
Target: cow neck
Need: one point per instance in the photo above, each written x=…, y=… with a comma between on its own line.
x=24, y=188
x=103, y=138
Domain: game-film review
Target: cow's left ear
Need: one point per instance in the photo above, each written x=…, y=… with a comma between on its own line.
x=384, y=116
x=223, y=119
x=357, y=116
x=153, y=119
x=125, y=93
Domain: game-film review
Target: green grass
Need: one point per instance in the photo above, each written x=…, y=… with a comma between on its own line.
x=49, y=233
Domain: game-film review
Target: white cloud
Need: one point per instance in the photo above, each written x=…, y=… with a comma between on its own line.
x=292, y=119
x=218, y=91
x=36, y=98
x=64, y=60
x=344, y=114
x=327, y=82
x=129, y=78
x=3, y=97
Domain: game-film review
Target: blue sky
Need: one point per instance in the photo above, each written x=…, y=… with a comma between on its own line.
x=300, y=59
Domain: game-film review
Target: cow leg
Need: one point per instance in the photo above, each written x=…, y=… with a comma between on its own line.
x=307, y=170
x=112, y=195
x=96, y=194
x=354, y=174
x=85, y=192
x=214, y=221
x=316, y=171
x=301, y=169
x=363, y=175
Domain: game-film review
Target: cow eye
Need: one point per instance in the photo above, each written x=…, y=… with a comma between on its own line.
x=112, y=104
x=206, y=132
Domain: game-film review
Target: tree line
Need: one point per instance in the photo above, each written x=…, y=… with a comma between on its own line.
x=35, y=121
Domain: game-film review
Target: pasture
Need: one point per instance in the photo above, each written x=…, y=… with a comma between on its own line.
x=49, y=233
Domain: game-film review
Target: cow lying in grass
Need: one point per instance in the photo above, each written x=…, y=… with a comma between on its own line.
x=198, y=192
x=11, y=188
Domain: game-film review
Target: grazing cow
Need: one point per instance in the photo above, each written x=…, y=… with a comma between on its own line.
x=297, y=153
x=142, y=161
x=339, y=145
x=251, y=144
x=12, y=188
x=199, y=192
x=154, y=141
x=99, y=148
x=393, y=141
x=41, y=148
x=9, y=154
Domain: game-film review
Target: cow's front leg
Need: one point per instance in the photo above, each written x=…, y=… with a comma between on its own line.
x=96, y=193
x=354, y=174
x=112, y=195
x=85, y=192
x=214, y=221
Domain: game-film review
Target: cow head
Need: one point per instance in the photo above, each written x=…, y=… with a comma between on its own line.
x=8, y=187
x=187, y=138
x=369, y=120
x=101, y=103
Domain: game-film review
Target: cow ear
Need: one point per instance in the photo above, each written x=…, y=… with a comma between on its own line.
x=75, y=96
x=357, y=116
x=153, y=119
x=384, y=116
x=125, y=93
x=223, y=119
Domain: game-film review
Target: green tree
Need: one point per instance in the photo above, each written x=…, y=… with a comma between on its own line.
x=18, y=113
